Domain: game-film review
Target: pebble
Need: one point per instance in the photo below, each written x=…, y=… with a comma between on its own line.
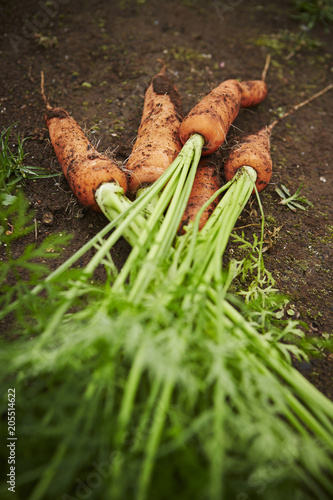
x=47, y=218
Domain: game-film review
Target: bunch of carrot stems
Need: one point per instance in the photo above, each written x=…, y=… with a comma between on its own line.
x=195, y=265
x=160, y=383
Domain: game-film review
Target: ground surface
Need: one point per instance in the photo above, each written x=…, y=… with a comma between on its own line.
x=98, y=58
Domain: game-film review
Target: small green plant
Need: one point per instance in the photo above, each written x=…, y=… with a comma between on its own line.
x=312, y=12
x=292, y=201
x=252, y=267
x=26, y=281
x=21, y=270
x=287, y=41
x=12, y=168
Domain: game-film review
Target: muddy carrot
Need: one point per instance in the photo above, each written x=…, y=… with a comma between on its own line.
x=213, y=115
x=83, y=166
x=253, y=93
x=157, y=143
x=254, y=149
x=206, y=183
x=211, y=119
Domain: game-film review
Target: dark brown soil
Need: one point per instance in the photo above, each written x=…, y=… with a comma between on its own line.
x=114, y=47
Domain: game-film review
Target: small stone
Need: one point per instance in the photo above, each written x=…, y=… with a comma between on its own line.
x=47, y=218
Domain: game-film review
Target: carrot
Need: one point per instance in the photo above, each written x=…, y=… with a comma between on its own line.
x=211, y=119
x=83, y=166
x=214, y=114
x=206, y=183
x=157, y=143
x=253, y=93
x=254, y=149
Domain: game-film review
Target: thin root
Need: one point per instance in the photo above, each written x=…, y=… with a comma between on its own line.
x=47, y=104
x=298, y=106
x=162, y=71
x=264, y=72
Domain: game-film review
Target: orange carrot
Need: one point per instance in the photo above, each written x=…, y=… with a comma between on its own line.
x=214, y=114
x=254, y=149
x=253, y=93
x=206, y=183
x=157, y=143
x=83, y=166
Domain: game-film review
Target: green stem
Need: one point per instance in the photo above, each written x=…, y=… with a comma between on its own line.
x=205, y=251
x=57, y=317
x=160, y=247
x=52, y=469
x=112, y=201
x=130, y=389
x=150, y=207
x=43, y=485
x=153, y=441
x=121, y=222
x=142, y=428
x=218, y=446
x=124, y=417
x=232, y=205
x=188, y=242
x=306, y=391
x=213, y=239
x=311, y=397
x=260, y=257
x=170, y=177
x=157, y=248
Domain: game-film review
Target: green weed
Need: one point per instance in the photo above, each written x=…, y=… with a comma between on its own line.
x=12, y=168
x=312, y=12
x=292, y=201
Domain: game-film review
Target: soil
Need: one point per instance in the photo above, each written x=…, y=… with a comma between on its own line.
x=98, y=58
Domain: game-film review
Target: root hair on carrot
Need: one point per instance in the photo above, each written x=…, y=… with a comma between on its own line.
x=265, y=70
x=42, y=91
